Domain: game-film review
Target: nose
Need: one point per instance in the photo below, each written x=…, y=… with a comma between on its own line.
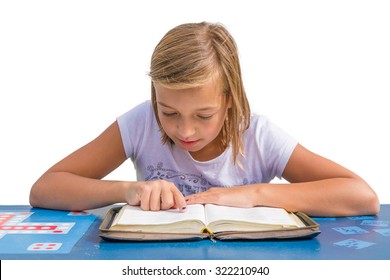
x=185, y=129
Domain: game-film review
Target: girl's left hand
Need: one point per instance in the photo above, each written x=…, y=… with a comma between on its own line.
x=241, y=196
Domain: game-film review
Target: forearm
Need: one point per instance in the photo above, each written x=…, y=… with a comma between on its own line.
x=330, y=197
x=66, y=191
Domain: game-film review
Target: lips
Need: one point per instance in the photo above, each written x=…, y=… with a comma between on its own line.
x=188, y=144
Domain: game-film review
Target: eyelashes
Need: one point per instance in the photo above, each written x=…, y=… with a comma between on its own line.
x=205, y=117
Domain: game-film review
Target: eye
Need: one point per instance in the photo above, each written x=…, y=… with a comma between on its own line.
x=168, y=114
x=206, y=117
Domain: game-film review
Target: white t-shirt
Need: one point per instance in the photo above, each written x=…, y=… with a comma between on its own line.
x=267, y=150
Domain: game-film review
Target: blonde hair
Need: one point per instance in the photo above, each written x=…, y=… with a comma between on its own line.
x=191, y=54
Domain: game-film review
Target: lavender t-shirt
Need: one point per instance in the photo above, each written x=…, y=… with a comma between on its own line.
x=267, y=150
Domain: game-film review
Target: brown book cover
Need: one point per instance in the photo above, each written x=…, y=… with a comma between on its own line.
x=129, y=223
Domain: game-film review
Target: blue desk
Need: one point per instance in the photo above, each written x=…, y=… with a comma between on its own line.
x=31, y=233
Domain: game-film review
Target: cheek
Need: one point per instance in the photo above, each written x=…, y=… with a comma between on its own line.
x=213, y=128
x=167, y=126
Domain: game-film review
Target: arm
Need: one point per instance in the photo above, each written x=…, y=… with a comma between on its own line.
x=318, y=187
x=75, y=182
x=321, y=187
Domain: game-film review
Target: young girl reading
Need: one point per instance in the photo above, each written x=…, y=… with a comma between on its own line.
x=196, y=141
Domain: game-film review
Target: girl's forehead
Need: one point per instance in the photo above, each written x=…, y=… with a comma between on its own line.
x=209, y=89
x=207, y=96
x=210, y=79
x=211, y=84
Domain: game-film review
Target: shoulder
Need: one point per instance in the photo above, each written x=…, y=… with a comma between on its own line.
x=136, y=126
x=257, y=119
x=140, y=115
x=265, y=131
x=141, y=110
x=268, y=145
x=258, y=123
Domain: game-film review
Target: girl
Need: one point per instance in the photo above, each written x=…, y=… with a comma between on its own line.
x=196, y=141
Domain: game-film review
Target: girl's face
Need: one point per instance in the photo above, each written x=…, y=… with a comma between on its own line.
x=193, y=118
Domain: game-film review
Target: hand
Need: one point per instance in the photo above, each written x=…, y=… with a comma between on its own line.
x=241, y=196
x=156, y=195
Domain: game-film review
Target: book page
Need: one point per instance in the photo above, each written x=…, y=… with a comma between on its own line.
x=261, y=215
x=134, y=215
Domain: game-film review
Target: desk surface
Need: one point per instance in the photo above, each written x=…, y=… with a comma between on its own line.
x=32, y=233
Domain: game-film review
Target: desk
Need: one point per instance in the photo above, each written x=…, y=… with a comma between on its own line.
x=32, y=233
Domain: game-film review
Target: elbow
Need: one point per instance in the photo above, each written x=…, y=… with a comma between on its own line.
x=34, y=197
x=369, y=202
x=364, y=200
x=372, y=203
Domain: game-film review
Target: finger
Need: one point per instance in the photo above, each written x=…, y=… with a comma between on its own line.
x=210, y=196
x=195, y=199
x=179, y=200
x=167, y=199
x=144, y=195
x=155, y=199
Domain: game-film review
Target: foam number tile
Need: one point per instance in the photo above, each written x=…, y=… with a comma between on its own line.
x=383, y=231
x=13, y=218
x=354, y=244
x=42, y=231
x=12, y=223
x=37, y=228
x=44, y=247
x=350, y=230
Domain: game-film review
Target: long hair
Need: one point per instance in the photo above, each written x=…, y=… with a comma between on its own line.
x=188, y=56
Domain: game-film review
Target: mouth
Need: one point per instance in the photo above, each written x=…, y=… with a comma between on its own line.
x=188, y=144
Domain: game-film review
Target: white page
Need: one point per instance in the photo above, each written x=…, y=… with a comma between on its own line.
x=264, y=215
x=134, y=215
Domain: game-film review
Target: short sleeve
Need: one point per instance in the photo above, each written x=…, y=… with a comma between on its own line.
x=133, y=126
x=281, y=146
x=272, y=148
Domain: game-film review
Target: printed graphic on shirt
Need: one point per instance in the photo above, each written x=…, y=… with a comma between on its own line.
x=187, y=183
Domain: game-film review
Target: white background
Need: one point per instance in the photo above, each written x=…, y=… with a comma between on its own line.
x=318, y=69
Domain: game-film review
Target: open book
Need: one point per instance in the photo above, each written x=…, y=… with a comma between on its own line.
x=206, y=221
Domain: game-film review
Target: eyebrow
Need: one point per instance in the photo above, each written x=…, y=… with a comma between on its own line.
x=200, y=109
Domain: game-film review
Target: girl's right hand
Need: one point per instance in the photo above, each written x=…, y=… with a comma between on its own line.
x=156, y=195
